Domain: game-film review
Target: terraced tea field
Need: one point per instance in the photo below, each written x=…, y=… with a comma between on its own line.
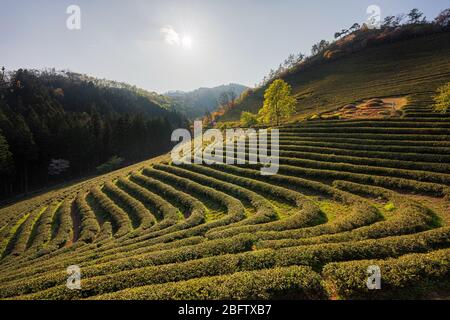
x=349, y=194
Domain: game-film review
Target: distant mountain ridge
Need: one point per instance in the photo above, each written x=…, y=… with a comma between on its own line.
x=196, y=103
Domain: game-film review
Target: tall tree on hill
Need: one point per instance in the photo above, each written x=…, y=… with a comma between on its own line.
x=315, y=49
x=398, y=20
x=443, y=18
x=299, y=58
x=272, y=75
x=96, y=129
x=442, y=99
x=23, y=147
x=289, y=62
x=414, y=16
x=388, y=22
x=6, y=164
x=355, y=27
x=322, y=45
x=278, y=103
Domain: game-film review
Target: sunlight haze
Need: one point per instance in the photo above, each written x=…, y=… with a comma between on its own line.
x=177, y=45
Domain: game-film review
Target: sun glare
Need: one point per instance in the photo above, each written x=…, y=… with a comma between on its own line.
x=187, y=42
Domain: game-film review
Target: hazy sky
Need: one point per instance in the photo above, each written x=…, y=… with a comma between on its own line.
x=180, y=44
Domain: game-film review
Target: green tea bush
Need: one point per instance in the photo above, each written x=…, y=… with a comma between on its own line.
x=142, y=217
x=265, y=210
x=42, y=229
x=119, y=218
x=410, y=217
x=293, y=282
x=409, y=276
x=210, y=248
x=89, y=226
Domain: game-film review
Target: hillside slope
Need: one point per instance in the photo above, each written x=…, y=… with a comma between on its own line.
x=411, y=66
x=349, y=194
x=195, y=104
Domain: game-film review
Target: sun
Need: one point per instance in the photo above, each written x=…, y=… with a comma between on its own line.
x=186, y=42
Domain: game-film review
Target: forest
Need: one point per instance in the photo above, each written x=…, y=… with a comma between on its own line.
x=59, y=125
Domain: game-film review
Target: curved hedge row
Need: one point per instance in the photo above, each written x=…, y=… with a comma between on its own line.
x=9, y=230
x=370, y=142
x=308, y=213
x=227, y=231
x=265, y=211
x=410, y=217
x=290, y=196
x=160, y=207
x=436, y=118
x=62, y=226
x=138, y=212
x=363, y=213
x=234, y=207
x=19, y=240
x=370, y=136
x=426, y=115
x=419, y=171
x=406, y=277
x=119, y=218
x=42, y=229
x=96, y=256
x=89, y=226
x=386, y=149
x=387, y=177
x=381, y=181
x=190, y=205
x=252, y=172
x=315, y=256
x=57, y=281
x=318, y=255
x=308, y=216
x=384, y=123
x=292, y=282
x=367, y=130
x=365, y=153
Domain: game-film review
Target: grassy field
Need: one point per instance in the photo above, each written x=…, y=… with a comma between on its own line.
x=349, y=194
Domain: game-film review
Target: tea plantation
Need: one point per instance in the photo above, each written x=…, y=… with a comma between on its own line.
x=349, y=194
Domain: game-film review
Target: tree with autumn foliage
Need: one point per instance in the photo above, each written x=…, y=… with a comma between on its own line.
x=278, y=103
x=442, y=99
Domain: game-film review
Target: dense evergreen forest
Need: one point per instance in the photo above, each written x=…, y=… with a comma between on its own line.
x=56, y=126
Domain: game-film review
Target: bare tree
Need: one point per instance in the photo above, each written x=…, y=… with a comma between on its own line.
x=388, y=21
x=398, y=20
x=443, y=19
x=355, y=27
x=415, y=16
